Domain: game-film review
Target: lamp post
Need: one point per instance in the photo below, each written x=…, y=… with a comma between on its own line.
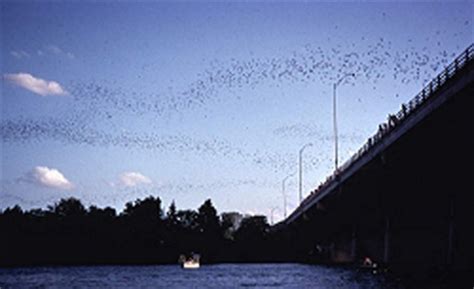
x=271, y=214
x=301, y=170
x=335, y=85
x=284, y=193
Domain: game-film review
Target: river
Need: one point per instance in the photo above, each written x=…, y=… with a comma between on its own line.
x=208, y=276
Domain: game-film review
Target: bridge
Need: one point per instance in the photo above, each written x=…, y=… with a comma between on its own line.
x=405, y=198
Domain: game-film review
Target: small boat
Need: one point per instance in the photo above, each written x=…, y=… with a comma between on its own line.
x=190, y=262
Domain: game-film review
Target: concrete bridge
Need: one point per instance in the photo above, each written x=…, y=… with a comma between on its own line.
x=405, y=198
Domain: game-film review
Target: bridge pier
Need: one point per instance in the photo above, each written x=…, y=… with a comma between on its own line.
x=449, y=259
x=386, y=241
x=354, y=244
x=332, y=251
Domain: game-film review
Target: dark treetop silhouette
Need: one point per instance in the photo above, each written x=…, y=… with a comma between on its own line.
x=69, y=233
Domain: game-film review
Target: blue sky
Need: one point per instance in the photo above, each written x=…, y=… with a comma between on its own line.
x=113, y=102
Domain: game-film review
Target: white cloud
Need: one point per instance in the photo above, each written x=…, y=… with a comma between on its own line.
x=45, y=50
x=70, y=55
x=36, y=85
x=20, y=54
x=54, y=49
x=49, y=177
x=58, y=51
x=133, y=179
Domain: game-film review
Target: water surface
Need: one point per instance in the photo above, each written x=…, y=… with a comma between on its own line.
x=208, y=276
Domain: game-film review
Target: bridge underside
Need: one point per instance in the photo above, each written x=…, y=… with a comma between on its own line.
x=409, y=207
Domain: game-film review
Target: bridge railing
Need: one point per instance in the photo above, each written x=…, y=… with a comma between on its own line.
x=394, y=120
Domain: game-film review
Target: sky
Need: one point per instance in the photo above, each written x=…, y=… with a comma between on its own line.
x=110, y=102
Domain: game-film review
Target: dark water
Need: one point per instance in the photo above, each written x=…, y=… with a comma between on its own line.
x=210, y=276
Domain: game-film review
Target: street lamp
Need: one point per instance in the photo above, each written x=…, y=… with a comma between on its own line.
x=335, y=85
x=271, y=214
x=284, y=193
x=301, y=170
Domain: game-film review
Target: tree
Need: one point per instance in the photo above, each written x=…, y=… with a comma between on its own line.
x=208, y=220
x=98, y=213
x=148, y=209
x=172, y=216
x=15, y=211
x=70, y=207
x=251, y=239
x=253, y=228
x=187, y=220
x=68, y=233
x=230, y=223
x=209, y=238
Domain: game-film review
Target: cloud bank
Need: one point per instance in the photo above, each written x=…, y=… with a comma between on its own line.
x=34, y=84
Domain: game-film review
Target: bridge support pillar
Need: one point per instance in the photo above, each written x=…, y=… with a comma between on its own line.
x=332, y=251
x=449, y=259
x=354, y=243
x=386, y=243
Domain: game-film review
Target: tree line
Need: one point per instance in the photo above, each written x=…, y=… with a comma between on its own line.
x=68, y=233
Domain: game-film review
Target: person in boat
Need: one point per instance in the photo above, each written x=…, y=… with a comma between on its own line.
x=367, y=262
